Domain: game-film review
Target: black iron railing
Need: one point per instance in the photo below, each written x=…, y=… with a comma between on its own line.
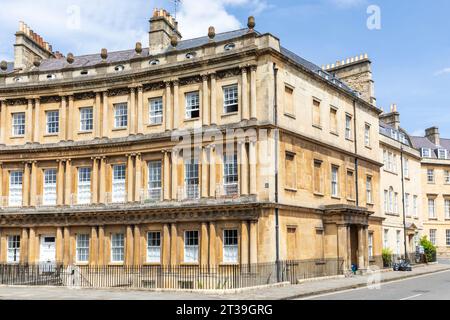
x=169, y=277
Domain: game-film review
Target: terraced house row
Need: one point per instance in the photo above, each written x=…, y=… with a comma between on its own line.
x=225, y=149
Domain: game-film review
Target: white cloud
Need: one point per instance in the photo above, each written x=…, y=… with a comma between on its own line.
x=443, y=71
x=112, y=24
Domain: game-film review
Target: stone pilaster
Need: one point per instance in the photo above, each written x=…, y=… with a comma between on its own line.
x=140, y=110
x=212, y=171
x=105, y=112
x=137, y=246
x=175, y=174
x=204, y=181
x=93, y=251
x=176, y=106
x=63, y=119
x=244, y=243
x=244, y=167
x=102, y=187
x=37, y=118
x=29, y=122
x=245, y=111
x=70, y=120
x=253, y=95
x=166, y=245
x=168, y=106
x=132, y=112
x=166, y=176
x=26, y=185
x=130, y=177
x=94, y=180
x=173, y=244
x=97, y=113
x=138, y=178
x=68, y=185
x=253, y=242
x=253, y=171
x=60, y=183
x=212, y=243
x=204, y=244
x=205, y=101
x=213, y=99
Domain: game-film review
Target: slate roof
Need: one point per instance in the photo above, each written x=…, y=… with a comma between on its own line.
x=125, y=55
x=423, y=142
x=386, y=129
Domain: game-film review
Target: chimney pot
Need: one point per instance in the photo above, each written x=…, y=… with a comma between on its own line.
x=211, y=32
x=251, y=23
x=70, y=58
x=104, y=54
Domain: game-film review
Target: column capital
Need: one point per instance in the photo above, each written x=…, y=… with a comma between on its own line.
x=168, y=83
x=244, y=69
x=205, y=76
x=213, y=75
x=140, y=88
x=176, y=82
x=253, y=67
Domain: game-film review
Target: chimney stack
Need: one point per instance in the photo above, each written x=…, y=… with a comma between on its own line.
x=432, y=134
x=162, y=28
x=391, y=118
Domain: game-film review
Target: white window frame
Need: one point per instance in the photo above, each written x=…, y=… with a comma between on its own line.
x=431, y=208
x=406, y=167
x=433, y=233
x=386, y=239
x=334, y=181
x=369, y=188
x=398, y=241
x=370, y=245
x=50, y=181
x=119, y=183
x=13, y=249
x=230, y=246
x=446, y=176
x=442, y=154
x=156, y=110
x=191, y=246
x=426, y=153
x=430, y=176
x=117, y=247
x=155, y=180
x=415, y=208
x=348, y=127
x=230, y=99
x=52, y=121
x=121, y=115
x=407, y=207
x=191, y=179
x=18, y=124
x=86, y=119
x=84, y=185
x=154, y=247
x=231, y=174
x=367, y=139
x=447, y=238
x=82, y=248
x=447, y=209
x=15, y=188
x=192, y=105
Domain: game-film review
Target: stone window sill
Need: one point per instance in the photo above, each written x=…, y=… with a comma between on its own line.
x=290, y=189
x=317, y=126
x=290, y=115
x=334, y=133
x=85, y=132
x=51, y=135
x=192, y=120
x=17, y=137
x=319, y=194
x=336, y=197
x=120, y=129
x=152, y=125
x=230, y=114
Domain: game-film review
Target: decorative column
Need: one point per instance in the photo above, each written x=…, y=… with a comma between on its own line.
x=212, y=171
x=140, y=110
x=132, y=112
x=63, y=119
x=244, y=168
x=361, y=248
x=33, y=188
x=176, y=113
x=205, y=103
x=37, y=116
x=175, y=174
x=253, y=242
x=68, y=189
x=204, y=181
x=173, y=244
x=204, y=244
x=105, y=120
x=252, y=160
x=60, y=183
x=1, y=183
x=97, y=113
x=32, y=246
x=168, y=106
x=102, y=188
x=67, y=258
x=244, y=243
x=70, y=128
x=129, y=246
x=26, y=185
x=94, y=186
x=93, y=252
x=138, y=178
x=24, y=246
x=60, y=245
x=212, y=243
x=130, y=174
x=29, y=122
x=245, y=111
x=253, y=96
x=166, y=245
x=213, y=100
x=101, y=246
x=166, y=182
x=342, y=246
x=2, y=121
x=137, y=246
x=366, y=246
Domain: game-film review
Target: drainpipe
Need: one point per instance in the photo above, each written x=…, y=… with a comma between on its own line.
x=276, y=137
x=403, y=202
x=355, y=138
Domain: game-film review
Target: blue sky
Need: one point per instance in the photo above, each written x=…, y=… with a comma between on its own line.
x=410, y=53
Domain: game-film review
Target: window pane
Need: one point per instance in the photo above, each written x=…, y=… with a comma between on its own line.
x=121, y=115
x=154, y=180
x=191, y=246
x=49, y=187
x=18, y=125
x=154, y=247
x=52, y=121
x=156, y=111
x=230, y=246
x=82, y=247
x=84, y=186
x=15, y=188
x=117, y=247
x=118, y=187
x=230, y=99
x=86, y=119
x=192, y=105
x=13, y=254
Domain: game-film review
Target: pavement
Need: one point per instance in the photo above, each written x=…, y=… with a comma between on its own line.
x=429, y=281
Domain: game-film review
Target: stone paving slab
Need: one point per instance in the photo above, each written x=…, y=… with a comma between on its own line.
x=275, y=293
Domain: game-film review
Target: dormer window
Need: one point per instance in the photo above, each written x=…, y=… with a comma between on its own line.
x=229, y=47
x=119, y=68
x=84, y=72
x=426, y=153
x=190, y=55
x=154, y=62
x=51, y=76
x=442, y=154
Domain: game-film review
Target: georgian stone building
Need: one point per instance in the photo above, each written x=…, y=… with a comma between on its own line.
x=400, y=186
x=435, y=181
x=223, y=149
